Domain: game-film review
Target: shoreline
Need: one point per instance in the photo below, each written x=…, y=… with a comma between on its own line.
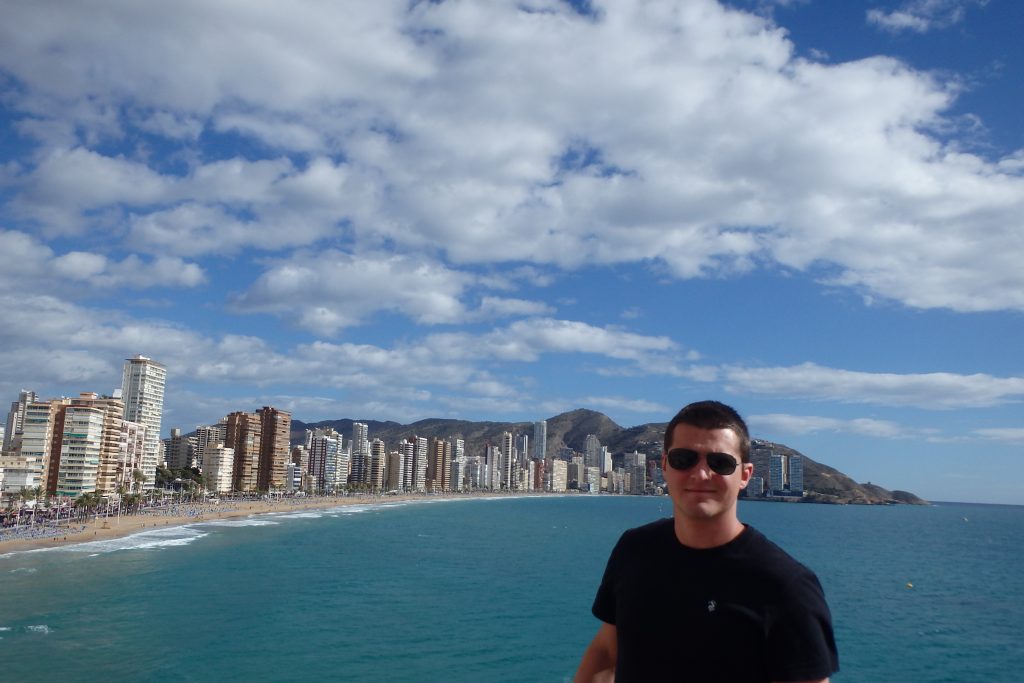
x=174, y=515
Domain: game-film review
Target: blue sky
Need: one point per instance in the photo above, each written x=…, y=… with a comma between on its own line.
x=505, y=210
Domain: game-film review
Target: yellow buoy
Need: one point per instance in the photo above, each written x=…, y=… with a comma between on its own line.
x=909, y=585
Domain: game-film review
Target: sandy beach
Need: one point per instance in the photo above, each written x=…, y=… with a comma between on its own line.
x=171, y=515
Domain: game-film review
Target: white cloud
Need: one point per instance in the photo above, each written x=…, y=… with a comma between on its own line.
x=526, y=340
x=807, y=424
x=937, y=390
x=32, y=265
x=922, y=16
x=1013, y=435
x=326, y=291
x=619, y=404
x=469, y=129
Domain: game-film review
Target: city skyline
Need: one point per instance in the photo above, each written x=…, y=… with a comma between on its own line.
x=509, y=210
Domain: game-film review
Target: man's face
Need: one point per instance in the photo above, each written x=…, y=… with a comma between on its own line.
x=699, y=493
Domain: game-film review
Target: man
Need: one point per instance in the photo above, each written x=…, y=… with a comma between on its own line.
x=702, y=597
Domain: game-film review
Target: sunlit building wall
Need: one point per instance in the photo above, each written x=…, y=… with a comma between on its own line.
x=142, y=390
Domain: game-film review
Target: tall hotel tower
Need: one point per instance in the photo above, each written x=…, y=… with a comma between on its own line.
x=540, y=440
x=142, y=390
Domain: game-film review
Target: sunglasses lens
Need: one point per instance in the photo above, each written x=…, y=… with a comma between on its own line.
x=722, y=463
x=685, y=458
x=682, y=458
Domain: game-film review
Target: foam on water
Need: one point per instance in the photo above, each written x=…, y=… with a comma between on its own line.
x=248, y=521
x=153, y=539
x=297, y=515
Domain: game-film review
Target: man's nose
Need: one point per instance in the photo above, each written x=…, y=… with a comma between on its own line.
x=701, y=470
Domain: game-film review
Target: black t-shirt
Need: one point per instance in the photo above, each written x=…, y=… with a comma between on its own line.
x=742, y=612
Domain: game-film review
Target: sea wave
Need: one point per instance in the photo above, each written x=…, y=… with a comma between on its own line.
x=248, y=521
x=167, y=537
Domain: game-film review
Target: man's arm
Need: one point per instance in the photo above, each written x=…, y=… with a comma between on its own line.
x=598, y=664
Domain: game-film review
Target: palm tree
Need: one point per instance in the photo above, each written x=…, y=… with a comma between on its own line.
x=137, y=478
x=38, y=493
x=88, y=501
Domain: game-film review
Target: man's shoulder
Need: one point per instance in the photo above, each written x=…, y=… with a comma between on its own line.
x=647, y=535
x=771, y=559
x=655, y=529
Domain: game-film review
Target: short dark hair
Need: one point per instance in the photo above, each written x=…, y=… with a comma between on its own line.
x=711, y=415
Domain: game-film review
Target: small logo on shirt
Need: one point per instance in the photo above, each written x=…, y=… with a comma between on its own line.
x=712, y=605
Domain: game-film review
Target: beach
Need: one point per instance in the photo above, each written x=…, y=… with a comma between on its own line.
x=179, y=514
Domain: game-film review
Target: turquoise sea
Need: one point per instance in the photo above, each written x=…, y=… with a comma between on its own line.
x=486, y=590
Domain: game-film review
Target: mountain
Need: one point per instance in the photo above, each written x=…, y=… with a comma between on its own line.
x=824, y=484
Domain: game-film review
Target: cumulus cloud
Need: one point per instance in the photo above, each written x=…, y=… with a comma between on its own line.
x=922, y=16
x=620, y=404
x=937, y=390
x=807, y=424
x=468, y=130
x=330, y=290
x=31, y=264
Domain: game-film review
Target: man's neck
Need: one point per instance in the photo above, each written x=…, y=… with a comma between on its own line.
x=706, y=533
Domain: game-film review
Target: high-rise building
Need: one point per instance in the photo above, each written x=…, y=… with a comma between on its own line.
x=777, y=473
x=421, y=456
x=440, y=466
x=395, y=471
x=142, y=389
x=16, y=418
x=181, y=451
x=635, y=465
x=244, y=436
x=81, y=444
x=119, y=438
x=129, y=458
x=458, y=482
x=539, y=472
x=761, y=456
x=523, y=448
x=559, y=476
x=360, y=464
x=275, y=448
x=475, y=474
x=323, y=447
x=540, y=440
x=592, y=451
x=378, y=460
x=39, y=457
x=408, y=450
x=508, y=461
x=218, y=465
x=796, y=474
x=207, y=435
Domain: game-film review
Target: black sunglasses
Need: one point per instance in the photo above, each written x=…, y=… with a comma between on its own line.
x=685, y=458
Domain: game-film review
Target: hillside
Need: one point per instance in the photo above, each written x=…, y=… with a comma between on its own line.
x=824, y=484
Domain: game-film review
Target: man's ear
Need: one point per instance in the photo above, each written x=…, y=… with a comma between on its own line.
x=746, y=472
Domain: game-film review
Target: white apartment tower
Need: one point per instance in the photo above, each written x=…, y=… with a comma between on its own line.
x=218, y=465
x=419, y=468
x=142, y=389
x=16, y=417
x=360, y=463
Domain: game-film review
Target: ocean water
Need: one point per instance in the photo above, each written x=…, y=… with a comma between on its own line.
x=486, y=590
